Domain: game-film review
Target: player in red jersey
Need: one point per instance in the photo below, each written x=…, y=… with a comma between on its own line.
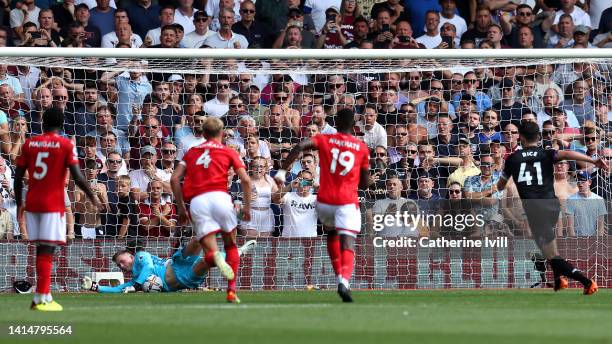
x=45, y=158
x=204, y=170
x=343, y=168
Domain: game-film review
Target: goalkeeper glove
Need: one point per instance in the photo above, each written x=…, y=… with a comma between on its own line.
x=88, y=284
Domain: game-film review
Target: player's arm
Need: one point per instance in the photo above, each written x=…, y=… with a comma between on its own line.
x=502, y=182
x=572, y=155
x=121, y=288
x=177, y=191
x=246, y=187
x=364, y=179
x=505, y=175
x=80, y=181
x=293, y=155
x=88, y=284
x=146, y=267
x=506, y=208
x=69, y=222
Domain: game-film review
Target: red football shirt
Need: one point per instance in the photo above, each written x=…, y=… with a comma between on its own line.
x=206, y=168
x=342, y=156
x=46, y=158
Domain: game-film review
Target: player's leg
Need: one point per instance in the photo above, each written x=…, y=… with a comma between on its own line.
x=246, y=247
x=213, y=257
x=225, y=215
x=326, y=214
x=233, y=260
x=542, y=216
x=206, y=226
x=347, y=243
x=46, y=230
x=334, y=251
x=562, y=267
x=192, y=248
x=348, y=225
x=188, y=271
x=44, y=265
x=549, y=251
x=200, y=268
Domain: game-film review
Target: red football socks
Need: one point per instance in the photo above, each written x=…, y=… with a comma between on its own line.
x=209, y=258
x=233, y=259
x=333, y=250
x=348, y=264
x=44, y=264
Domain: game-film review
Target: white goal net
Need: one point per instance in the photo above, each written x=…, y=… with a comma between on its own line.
x=439, y=126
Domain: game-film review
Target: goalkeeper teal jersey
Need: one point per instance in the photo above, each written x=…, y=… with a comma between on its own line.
x=145, y=264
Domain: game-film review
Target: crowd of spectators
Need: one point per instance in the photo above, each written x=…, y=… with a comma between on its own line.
x=306, y=24
x=438, y=139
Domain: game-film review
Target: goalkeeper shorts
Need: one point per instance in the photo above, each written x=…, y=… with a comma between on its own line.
x=183, y=270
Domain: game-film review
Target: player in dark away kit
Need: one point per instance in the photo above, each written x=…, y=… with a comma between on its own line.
x=532, y=171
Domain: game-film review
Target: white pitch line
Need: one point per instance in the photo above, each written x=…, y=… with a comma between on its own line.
x=251, y=306
x=206, y=306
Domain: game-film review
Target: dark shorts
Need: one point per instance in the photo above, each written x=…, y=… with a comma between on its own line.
x=542, y=215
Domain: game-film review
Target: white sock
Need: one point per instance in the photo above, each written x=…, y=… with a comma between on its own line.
x=339, y=277
x=48, y=298
x=346, y=283
x=38, y=298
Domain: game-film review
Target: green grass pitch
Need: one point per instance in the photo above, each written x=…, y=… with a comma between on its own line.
x=292, y=317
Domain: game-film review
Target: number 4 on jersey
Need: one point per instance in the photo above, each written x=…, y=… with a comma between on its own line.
x=204, y=159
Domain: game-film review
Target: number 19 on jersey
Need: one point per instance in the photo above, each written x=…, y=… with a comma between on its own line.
x=346, y=159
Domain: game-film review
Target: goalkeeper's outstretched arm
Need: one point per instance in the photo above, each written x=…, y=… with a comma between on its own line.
x=121, y=288
x=88, y=284
x=143, y=263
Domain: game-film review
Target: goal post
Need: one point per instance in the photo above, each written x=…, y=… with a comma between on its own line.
x=397, y=60
x=415, y=108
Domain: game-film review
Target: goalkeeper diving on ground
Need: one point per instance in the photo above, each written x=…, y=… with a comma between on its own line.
x=184, y=270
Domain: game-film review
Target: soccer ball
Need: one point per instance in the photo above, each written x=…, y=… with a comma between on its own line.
x=153, y=284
